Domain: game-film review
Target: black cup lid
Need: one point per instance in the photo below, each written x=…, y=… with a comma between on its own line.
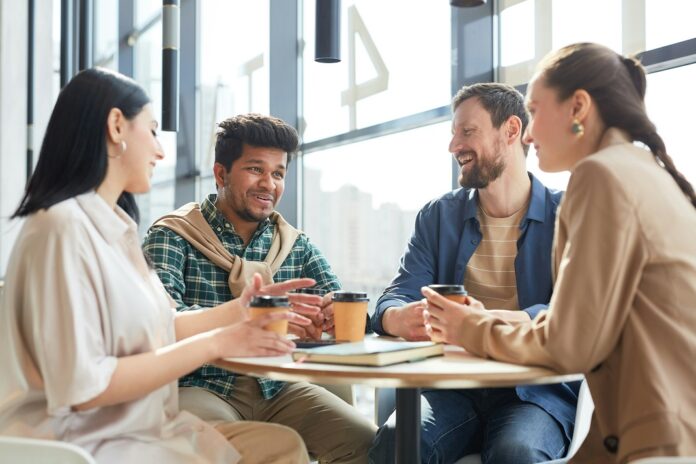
x=443, y=289
x=266, y=301
x=350, y=297
x=312, y=291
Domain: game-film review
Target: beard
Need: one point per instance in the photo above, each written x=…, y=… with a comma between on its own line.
x=484, y=171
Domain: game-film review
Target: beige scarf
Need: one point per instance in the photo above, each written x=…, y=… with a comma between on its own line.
x=189, y=223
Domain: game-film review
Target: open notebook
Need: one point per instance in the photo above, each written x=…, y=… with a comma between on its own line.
x=370, y=352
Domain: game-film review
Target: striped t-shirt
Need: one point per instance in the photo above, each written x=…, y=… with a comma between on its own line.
x=490, y=273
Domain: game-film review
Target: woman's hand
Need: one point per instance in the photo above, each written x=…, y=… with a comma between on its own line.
x=445, y=318
x=249, y=338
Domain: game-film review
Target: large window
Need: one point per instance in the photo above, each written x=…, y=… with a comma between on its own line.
x=666, y=98
x=360, y=201
x=531, y=28
x=234, y=76
x=395, y=61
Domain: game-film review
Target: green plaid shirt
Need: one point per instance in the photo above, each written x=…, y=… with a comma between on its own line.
x=194, y=282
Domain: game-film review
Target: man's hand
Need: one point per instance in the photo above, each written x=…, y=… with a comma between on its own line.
x=327, y=311
x=406, y=321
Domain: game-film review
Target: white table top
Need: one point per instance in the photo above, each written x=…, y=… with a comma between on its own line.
x=456, y=369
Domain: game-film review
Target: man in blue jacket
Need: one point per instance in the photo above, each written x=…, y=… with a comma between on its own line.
x=493, y=235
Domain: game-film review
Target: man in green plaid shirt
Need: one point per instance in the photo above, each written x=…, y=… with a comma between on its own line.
x=251, y=156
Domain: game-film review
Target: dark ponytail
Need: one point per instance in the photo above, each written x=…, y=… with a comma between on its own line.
x=617, y=84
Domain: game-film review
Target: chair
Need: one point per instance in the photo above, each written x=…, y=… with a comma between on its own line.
x=385, y=400
x=35, y=451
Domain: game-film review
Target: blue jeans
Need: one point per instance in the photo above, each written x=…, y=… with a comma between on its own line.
x=492, y=422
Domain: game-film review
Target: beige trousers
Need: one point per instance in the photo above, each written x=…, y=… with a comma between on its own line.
x=260, y=442
x=333, y=431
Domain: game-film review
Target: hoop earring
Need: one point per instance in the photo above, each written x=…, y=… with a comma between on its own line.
x=577, y=128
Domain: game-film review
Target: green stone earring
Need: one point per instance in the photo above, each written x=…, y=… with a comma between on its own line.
x=577, y=128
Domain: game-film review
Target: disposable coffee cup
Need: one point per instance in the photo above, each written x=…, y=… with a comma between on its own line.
x=350, y=313
x=262, y=305
x=455, y=293
x=451, y=292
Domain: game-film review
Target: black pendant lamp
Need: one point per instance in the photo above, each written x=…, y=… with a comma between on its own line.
x=327, y=38
x=170, y=65
x=467, y=3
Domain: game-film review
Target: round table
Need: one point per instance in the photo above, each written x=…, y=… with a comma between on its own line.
x=456, y=369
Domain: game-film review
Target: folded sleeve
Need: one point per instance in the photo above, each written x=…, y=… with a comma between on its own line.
x=65, y=316
x=598, y=272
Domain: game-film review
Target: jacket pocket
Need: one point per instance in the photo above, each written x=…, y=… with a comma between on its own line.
x=650, y=431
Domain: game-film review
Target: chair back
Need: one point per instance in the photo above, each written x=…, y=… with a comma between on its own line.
x=24, y=450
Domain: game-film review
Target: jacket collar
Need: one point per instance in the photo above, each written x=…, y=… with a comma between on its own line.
x=537, y=203
x=613, y=136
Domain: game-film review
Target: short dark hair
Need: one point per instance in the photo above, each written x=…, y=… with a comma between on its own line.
x=73, y=157
x=256, y=130
x=500, y=101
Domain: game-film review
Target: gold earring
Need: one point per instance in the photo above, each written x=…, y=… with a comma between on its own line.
x=577, y=128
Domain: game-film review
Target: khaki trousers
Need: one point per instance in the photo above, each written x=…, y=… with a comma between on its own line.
x=333, y=431
x=258, y=442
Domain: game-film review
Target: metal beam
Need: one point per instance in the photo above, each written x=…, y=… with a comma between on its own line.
x=66, y=41
x=186, y=170
x=284, y=90
x=126, y=23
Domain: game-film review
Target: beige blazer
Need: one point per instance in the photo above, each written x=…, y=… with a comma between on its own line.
x=623, y=310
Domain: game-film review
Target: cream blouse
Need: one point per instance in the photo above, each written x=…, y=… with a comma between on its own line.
x=79, y=295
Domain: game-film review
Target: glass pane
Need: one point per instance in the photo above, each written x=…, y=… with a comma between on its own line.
x=517, y=33
x=554, y=180
x=401, y=65
x=587, y=21
x=668, y=21
x=145, y=10
x=106, y=34
x=361, y=200
x=148, y=73
x=665, y=89
x=233, y=79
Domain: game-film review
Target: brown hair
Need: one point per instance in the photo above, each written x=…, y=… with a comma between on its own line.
x=501, y=101
x=617, y=85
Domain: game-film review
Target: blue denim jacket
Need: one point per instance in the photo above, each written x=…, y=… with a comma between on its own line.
x=445, y=237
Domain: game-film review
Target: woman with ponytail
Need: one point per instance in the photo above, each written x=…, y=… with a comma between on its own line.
x=623, y=310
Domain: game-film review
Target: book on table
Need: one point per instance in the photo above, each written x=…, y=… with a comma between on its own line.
x=369, y=352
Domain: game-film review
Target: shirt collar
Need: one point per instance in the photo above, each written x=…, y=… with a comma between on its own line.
x=537, y=203
x=112, y=224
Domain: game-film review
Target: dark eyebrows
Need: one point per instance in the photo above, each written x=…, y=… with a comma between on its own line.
x=256, y=161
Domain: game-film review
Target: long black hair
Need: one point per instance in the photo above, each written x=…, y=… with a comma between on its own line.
x=73, y=157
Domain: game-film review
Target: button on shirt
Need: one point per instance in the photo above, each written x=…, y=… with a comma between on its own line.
x=79, y=296
x=194, y=282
